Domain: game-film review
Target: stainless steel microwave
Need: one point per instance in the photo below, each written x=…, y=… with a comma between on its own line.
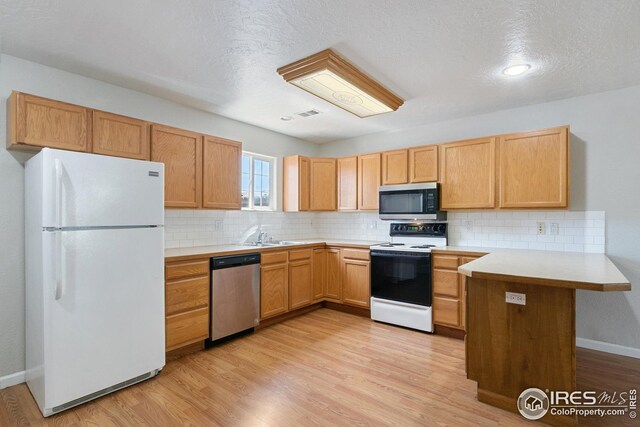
x=410, y=202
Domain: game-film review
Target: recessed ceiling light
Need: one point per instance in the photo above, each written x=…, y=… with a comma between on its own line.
x=332, y=78
x=286, y=118
x=516, y=70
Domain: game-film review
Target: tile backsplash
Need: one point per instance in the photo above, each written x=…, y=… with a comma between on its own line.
x=577, y=231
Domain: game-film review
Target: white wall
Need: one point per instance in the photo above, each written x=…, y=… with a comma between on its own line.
x=605, y=176
x=17, y=74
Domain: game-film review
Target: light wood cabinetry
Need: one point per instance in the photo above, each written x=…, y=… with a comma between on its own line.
x=356, y=287
x=347, y=183
x=274, y=284
x=368, y=181
x=319, y=273
x=181, y=153
x=449, y=290
x=423, y=164
x=533, y=169
x=221, y=173
x=323, y=184
x=186, y=302
x=467, y=174
x=295, y=177
x=394, y=167
x=120, y=136
x=300, y=278
x=36, y=122
x=333, y=284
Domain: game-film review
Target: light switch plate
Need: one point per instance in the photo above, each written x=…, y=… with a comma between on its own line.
x=219, y=225
x=516, y=298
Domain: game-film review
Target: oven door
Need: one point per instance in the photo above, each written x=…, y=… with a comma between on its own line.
x=401, y=276
x=412, y=201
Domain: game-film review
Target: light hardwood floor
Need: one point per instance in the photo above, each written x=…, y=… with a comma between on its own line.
x=323, y=368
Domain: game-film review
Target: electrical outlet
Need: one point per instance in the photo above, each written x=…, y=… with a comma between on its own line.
x=468, y=225
x=219, y=224
x=554, y=228
x=542, y=227
x=373, y=225
x=515, y=298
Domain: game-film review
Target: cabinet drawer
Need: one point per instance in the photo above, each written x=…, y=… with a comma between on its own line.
x=445, y=282
x=187, y=294
x=273, y=258
x=446, y=311
x=187, y=269
x=445, y=261
x=361, y=254
x=300, y=254
x=187, y=328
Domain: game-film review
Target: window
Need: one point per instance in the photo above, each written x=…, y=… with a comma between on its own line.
x=257, y=181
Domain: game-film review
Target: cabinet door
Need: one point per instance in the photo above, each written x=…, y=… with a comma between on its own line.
x=333, y=284
x=274, y=290
x=447, y=311
x=221, y=173
x=322, y=177
x=356, y=287
x=300, y=284
x=394, y=167
x=423, y=164
x=295, y=184
x=534, y=169
x=181, y=153
x=368, y=181
x=40, y=122
x=319, y=273
x=467, y=174
x=120, y=136
x=348, y=183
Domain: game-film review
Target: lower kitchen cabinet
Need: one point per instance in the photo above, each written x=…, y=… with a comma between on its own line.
x=356, y=287
x=300, y=278
x=333, y=285
x=274, y=284
x=449, y=291
x=187, y=290
x=319, y=273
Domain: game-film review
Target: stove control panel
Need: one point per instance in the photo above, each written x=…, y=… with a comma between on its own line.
x=436, y=229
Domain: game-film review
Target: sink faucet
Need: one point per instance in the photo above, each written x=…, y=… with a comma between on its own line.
x=262, y=237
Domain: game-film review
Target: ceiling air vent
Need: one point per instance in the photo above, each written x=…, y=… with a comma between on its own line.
x=308, y=113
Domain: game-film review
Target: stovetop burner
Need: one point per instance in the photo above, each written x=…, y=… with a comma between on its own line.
x=390, y=245
x=423, y=246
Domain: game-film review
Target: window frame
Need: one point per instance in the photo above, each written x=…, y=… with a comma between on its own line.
x=272, y=163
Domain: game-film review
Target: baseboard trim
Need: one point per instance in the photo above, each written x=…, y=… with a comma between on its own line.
x=12, y=379
x=608, y=347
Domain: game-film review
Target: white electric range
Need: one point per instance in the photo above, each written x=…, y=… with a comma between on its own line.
x=401, y=282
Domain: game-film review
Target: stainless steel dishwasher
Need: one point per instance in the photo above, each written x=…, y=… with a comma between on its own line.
x=235, y=294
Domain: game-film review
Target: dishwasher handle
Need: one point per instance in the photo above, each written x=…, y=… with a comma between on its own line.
x=221, y=262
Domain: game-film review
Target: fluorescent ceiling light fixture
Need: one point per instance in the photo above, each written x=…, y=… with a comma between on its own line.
x=332, y=78
x=516, y=70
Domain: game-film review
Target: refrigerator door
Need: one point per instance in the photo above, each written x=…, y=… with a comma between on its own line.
x=104, y=309
x=89, y=190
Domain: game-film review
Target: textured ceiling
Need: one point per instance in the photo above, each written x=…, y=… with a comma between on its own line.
x=443, y=57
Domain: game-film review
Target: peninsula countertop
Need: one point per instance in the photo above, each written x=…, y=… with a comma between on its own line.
x=594, y=272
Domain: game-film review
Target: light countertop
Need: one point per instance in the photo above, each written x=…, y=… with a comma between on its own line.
x=563, y=269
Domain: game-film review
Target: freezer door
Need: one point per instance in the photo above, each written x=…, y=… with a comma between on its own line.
x=89, y=190
x=104, y=309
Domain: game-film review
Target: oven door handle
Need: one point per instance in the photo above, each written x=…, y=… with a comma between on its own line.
x=399, y=255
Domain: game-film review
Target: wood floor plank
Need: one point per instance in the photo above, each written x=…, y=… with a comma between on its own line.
x=323, y=368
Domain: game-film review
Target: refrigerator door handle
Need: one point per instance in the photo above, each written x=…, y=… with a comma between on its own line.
x=58, y=200
x=58, y=265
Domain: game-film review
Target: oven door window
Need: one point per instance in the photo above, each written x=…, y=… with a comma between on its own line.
x=401, y=277
x=402, y=202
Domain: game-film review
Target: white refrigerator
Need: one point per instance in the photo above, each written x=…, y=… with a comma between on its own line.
x=94, y=275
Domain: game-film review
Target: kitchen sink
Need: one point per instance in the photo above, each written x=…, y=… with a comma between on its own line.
x=272, y=244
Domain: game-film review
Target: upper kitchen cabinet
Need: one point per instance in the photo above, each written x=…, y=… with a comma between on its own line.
x=221, y=173
x=295, y=176
x=120, y=136
x=534, y=168
x=347, y=183
x=181, y=153
x=423, y=164
x=394, y=167
x=467, y=174
x=36, y=122
x=368, y=181
x=322, y=182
